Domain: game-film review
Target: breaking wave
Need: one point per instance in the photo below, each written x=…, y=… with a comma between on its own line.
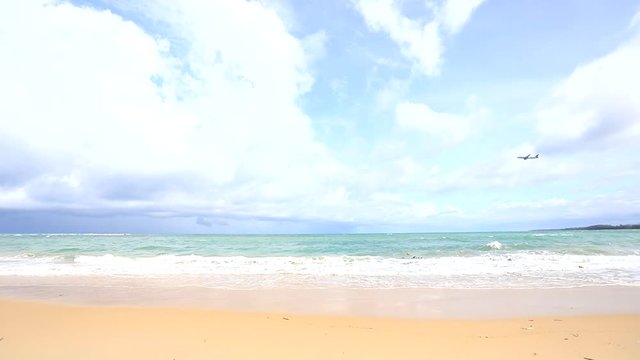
x=507, y=270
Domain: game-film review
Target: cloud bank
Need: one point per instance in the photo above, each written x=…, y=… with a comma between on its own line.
x=190, y=116
x=105, y=114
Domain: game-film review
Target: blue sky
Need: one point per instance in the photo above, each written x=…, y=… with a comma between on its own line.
x=318, y=116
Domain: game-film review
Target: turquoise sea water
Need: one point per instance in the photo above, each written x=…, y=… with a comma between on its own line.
x=449, y=260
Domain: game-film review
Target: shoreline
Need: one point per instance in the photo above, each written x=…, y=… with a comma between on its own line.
x=397, y=303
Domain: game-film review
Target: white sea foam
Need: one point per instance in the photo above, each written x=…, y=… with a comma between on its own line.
x=496, y=245
x=505, y=270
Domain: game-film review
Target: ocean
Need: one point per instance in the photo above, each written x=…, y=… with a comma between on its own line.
x=488, y=260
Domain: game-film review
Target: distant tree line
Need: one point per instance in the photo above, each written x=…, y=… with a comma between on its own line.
x=606, y=227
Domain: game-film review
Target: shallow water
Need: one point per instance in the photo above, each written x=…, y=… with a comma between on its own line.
x=544, y=259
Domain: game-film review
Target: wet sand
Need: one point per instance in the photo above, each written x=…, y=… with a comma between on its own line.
x=405, y=303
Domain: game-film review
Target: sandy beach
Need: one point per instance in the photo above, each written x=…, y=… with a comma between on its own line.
x=32, y=330
x=121, y=322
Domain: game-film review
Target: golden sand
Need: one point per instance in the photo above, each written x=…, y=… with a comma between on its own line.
x=31, y=330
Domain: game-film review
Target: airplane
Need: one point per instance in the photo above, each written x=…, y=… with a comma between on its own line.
x=528, y=157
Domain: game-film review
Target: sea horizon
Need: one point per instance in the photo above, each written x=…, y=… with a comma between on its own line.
x=168, y=233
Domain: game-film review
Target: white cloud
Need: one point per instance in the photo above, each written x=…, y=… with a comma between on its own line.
x=390, y=92
x=218, y=125
x=540, y=204
x=620, y=208
x=445, y=127
x=76, y=82
x=597, y=107
x=315, y=45
x=420, y=41
x=456, y=13
x=127, y=127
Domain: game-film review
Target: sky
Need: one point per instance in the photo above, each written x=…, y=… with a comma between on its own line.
x=318, y=116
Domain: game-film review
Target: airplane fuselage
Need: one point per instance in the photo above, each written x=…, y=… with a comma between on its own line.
x=528, y=157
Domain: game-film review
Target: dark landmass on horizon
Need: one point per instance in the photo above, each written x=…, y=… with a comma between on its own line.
x=599, y=227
